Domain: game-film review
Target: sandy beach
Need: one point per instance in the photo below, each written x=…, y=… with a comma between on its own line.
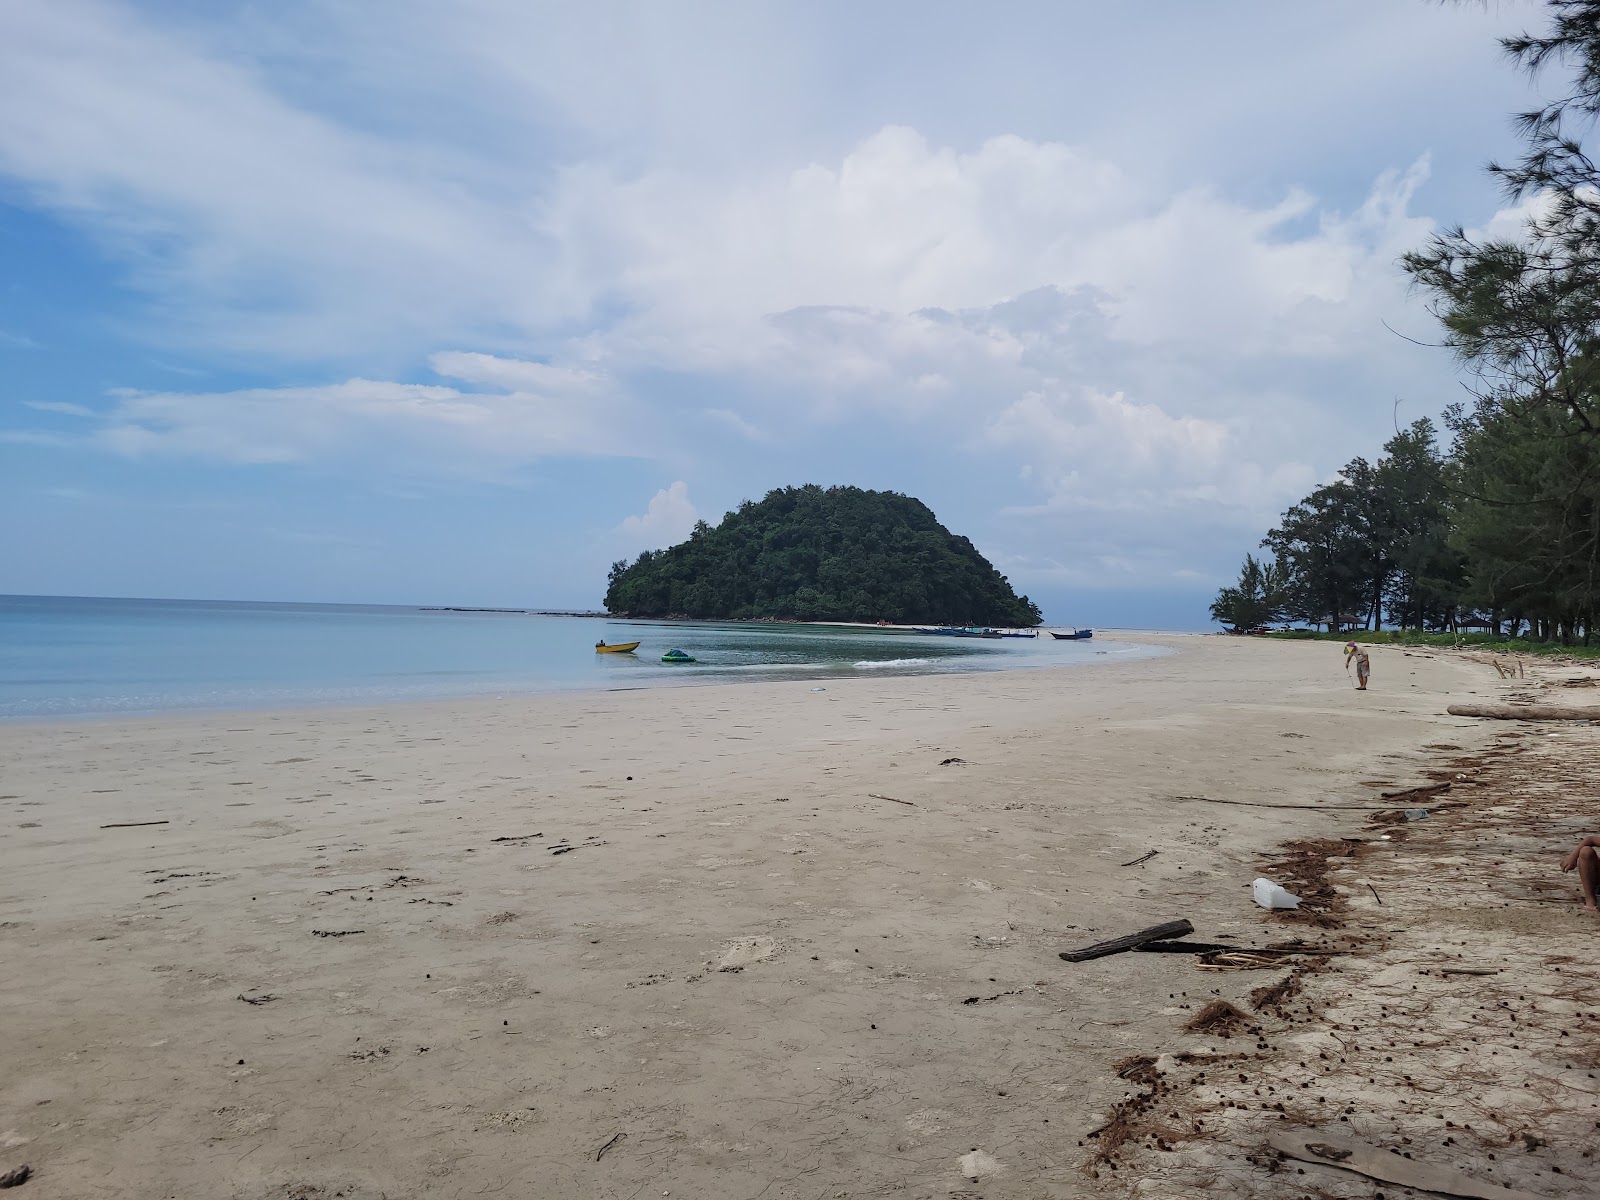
x=728, y=941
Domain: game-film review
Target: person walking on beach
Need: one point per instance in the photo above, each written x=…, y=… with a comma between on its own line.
x=1358, y=655
x=1586, y=862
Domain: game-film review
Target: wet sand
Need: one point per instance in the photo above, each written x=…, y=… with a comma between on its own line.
x=705, y=942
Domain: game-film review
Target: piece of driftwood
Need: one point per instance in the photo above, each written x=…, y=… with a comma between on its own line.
x=16, y=1177
x=1527, y=712
x=520, y=837
x=1469, y=970
x=891, y=800
x=1145, y=857
x=1430, y=790
x=996, y=996
x=1155, y=933
x=1332, y=1150
x=133, y=824
x=1296, y=807
x=608, y=1144
x=1183, y=947
x=1248, y=959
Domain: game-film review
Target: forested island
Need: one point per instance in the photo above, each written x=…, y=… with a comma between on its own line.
x=821, y=554
x=1498, y=528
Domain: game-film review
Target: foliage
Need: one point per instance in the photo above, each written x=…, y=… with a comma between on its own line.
x=822, y=554
x=1505, y=527
x=1494, y=643
x=1258, y=599
x=1374, y=542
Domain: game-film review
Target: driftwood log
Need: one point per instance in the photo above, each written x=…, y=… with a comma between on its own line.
x=1433, y=789
x=1527, y=712
x=1156, y=933
x=1337, y=1150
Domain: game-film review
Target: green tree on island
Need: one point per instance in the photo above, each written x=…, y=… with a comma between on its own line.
x=821, y=554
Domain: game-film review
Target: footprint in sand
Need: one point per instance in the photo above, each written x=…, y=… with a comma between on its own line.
x=980, y=1165
x=746, y=952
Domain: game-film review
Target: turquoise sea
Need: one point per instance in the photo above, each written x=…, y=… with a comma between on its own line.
x=64, y=656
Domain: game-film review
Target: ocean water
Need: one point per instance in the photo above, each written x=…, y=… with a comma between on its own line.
x=65, y=656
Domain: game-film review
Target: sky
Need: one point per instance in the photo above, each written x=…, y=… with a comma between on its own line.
x=337, y=301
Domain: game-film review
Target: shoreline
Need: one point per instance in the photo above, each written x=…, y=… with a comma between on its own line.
x=740, y=927
x=715, y=676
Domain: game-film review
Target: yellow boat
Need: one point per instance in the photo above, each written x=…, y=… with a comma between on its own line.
x=620, y=648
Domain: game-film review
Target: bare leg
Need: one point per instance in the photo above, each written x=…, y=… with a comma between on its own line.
x=1589, y=876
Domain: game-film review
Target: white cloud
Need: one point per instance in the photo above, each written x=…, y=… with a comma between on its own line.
x=18, y=341
x=667, y=519
x=255, y=224
x=737, y=423
x=638, y=199
x=59, y=406
x=535, y=411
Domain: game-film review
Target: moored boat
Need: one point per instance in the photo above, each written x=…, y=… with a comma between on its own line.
x=1077, y=635
x=619, y=648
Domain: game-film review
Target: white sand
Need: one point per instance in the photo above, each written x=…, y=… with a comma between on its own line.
x=746, y=965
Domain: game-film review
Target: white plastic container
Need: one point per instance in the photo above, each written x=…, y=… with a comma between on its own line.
x=1270, y=895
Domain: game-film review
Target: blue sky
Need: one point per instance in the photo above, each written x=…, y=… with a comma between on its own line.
x=458, y=303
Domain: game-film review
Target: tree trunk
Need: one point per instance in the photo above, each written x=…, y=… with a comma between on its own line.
x=1527, y=712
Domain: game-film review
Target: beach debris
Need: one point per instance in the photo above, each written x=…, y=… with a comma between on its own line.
x=1415, y=814
x=335, y=932
x=1525, y=712
x=1469, y=971
x=819, y=689
x=1137, y=1068
x=133, y=824
x=267, y=998
x=1218, y=1017
x=1269, y=895
x=1145, y=857
x=519, y=837
x=609, y=1143
x=996, y=996
x=891, y=799
x=1374, y=892
x=1241, y=960
x=950, y=762
x=1273, y=995
x=1154, y=933
x=565, y=847
x=1331, y=1150
x=1181, y=947
x=1418, y=792
x=16, y=1177
x=1297, y=807
x=404, y=881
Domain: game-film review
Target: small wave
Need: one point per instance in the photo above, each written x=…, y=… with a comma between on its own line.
x=804, y=666
x=878, y=664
